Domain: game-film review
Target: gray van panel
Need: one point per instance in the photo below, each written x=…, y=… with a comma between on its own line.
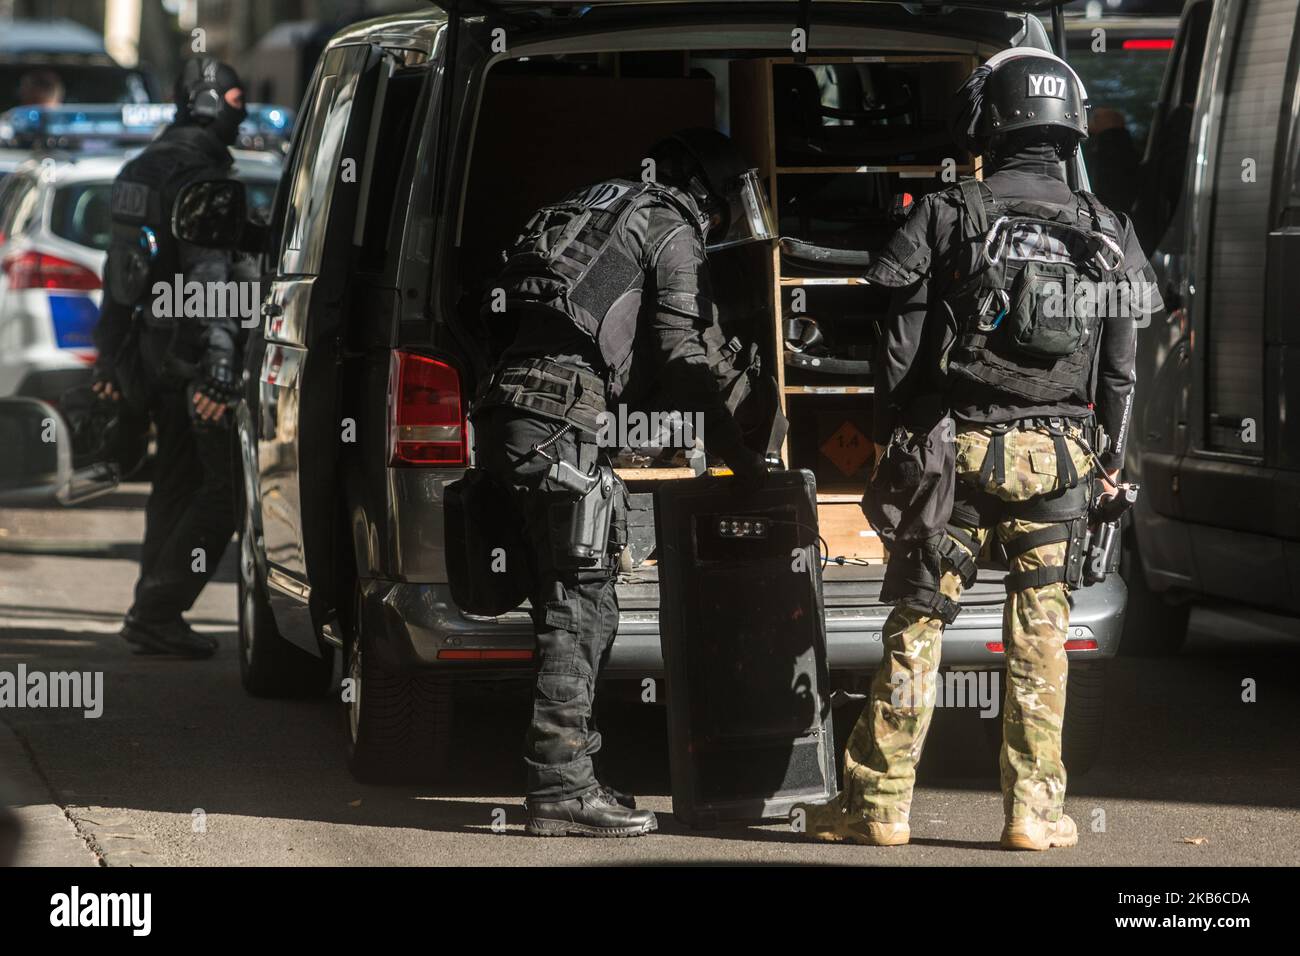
x=419, y=620
x=1240, y=223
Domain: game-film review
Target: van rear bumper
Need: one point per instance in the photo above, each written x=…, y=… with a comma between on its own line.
x=423, y=629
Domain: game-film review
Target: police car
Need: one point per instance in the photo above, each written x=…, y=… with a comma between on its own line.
x=55, y=227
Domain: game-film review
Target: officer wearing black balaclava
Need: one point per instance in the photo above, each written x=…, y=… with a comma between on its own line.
x=181, y=370
x=608, y=297
x=1004, y=376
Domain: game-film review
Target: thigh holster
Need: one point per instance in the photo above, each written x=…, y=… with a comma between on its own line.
x=961, y=551
x=1066, y=510
x=584, y=499
x=1067, y=513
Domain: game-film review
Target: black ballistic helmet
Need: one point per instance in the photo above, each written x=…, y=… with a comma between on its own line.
x=1018, y=90
x=706, y=164
x=200, y=95
x=700, y=162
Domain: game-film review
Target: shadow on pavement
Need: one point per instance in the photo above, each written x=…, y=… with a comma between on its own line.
x=176, y=735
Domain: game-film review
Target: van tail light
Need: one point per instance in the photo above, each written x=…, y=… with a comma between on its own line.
x=36, y=270
x=1156, y=43
x=1073, y=644
x=426, y=426
x=484, y=655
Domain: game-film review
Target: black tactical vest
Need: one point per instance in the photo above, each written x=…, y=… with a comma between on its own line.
x=573, y=259
x=141, y=249
x=1037, y=280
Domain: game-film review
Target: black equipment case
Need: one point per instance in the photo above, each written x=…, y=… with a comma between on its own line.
x=744, y=643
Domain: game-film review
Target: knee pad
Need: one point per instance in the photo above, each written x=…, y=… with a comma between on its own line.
x=912, y=580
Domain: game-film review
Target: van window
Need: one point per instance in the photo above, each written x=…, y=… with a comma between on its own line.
x=1240, y=224
x=316, y=163
x=1165, y=166
x=390, y=151
x=1291, y=183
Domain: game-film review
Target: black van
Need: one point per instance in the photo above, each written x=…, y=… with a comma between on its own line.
x=423, y=143
x=1216, y=440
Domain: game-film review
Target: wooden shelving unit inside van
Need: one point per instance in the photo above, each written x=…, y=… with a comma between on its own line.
x=830, y=415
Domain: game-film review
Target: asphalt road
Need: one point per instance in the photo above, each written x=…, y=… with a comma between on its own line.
x=183, y=768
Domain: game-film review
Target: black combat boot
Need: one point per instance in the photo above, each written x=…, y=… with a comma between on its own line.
x=594, y=814
x=166, y=637
x=625, y=800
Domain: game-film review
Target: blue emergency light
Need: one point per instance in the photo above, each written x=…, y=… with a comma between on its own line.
x=92, y=127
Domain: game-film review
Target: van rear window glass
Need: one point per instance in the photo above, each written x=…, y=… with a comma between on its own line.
x=316, y=162
x=390, y=149
x=1126, y=80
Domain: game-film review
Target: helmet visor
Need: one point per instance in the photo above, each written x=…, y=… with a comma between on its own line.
x=748, y=217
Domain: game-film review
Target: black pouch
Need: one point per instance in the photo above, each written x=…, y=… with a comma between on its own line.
x=909, y=499
x=1044, y=317
x=487, y=555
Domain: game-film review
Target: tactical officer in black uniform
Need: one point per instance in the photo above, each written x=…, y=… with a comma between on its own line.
x=182, y=371
x=611, y=296
x=990, y=321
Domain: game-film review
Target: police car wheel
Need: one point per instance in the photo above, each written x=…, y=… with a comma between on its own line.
x=1152, y=626
x=269, y=666
x=398, y=725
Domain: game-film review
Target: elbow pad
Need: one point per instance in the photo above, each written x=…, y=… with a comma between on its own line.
x=903, y=262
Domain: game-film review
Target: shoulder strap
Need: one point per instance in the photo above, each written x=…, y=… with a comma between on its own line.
x=1103, y=219
x=670, y=197
x=972, y=197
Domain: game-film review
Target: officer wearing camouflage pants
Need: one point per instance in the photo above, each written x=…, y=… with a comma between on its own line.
x=882, y=752
x=1039, y=398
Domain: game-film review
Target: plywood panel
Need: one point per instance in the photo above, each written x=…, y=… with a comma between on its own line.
x=847, y=533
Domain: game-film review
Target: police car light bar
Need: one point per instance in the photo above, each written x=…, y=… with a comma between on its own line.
x=91, y=126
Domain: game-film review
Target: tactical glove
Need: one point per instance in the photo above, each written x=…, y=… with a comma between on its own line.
x=218, y=377
x=105, y=382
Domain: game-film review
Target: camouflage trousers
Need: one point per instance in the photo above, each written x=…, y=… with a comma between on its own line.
x=885, y=745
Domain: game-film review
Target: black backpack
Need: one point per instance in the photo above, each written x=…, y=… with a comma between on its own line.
x=1027, y=312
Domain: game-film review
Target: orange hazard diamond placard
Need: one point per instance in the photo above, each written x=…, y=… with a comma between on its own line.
x=847, y=448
